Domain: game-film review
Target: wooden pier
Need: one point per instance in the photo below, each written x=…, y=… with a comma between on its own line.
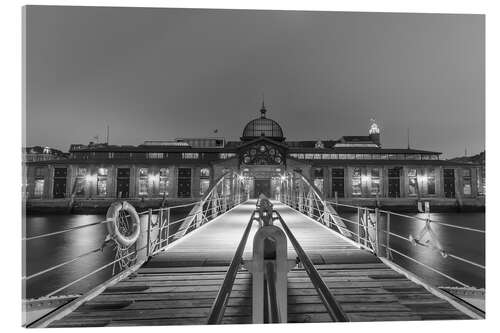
x=179, y=285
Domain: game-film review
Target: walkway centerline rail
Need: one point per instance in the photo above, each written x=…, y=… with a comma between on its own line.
x=332, y=306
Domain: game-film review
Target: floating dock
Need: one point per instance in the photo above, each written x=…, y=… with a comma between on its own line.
x=179, y=285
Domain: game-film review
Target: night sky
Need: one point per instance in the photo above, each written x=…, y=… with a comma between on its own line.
x=154, y=74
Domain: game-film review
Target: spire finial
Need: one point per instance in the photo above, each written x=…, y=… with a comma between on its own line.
x=263, y=108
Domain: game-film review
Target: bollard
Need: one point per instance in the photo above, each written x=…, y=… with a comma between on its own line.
x=269, y=247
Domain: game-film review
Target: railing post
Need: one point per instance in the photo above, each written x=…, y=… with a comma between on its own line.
x=148, y=247
x=160, y=227
x=377, y=230
x=388, y=236
x=365, y=226
x=359, y=226
x=168, y=225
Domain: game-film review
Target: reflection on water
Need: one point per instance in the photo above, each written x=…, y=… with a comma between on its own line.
x=463, y=243
x=45, y=252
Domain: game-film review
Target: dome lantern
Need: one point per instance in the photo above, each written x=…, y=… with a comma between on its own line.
x=262, y=127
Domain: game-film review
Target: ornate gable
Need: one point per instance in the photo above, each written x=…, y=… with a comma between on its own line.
x=262, y=152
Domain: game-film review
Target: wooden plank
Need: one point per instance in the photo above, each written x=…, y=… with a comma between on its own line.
x=183, y=270
x=145, y=284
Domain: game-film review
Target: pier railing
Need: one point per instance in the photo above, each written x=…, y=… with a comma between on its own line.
x=159, y=228
x=374, y=229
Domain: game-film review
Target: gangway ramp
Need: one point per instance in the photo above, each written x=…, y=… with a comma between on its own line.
x=178, y=286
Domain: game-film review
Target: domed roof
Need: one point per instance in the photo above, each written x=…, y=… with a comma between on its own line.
x=263, y=127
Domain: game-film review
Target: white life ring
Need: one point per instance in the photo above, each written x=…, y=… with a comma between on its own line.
x=112, y=225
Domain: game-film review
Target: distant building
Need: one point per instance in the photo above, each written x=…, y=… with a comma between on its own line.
x=38, y=153
x=478, y=160
x=352, y=167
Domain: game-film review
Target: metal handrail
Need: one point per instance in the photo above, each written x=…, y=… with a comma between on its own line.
x=328, y=212
x=199, y=206
x=366, y=226
x=332, y=306
x=272, y=301
x=64, y=231
x=349, y=206
x=61, y=264
x=216, y=313
x=92, y=273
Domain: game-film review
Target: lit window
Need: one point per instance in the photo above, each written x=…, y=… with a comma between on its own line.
x=481, y=181
x=155, y=156
x=412, y=182
x=467, y=182
x=163, y=185
x=225, y=156
x=204, y=185
x=204, y=172
x=190, y=156
x=431, y=181
x=39, y=184
x=143, y=181
x=102, y=181
x=81, y=172
x=413, y=156
x=81, y=181
x=375, y=181
x=356, y=181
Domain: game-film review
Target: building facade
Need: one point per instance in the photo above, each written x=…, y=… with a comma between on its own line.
x=347, y=169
